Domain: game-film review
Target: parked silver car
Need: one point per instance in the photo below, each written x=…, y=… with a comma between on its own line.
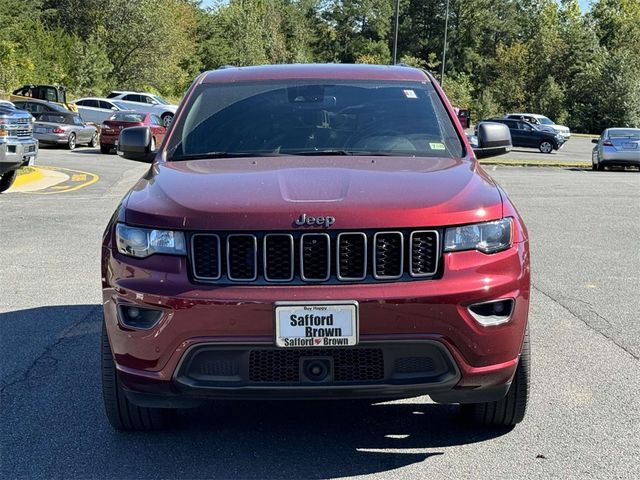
x=616, y=146
x=64, y=128
x=145, y=103
x=97, y=110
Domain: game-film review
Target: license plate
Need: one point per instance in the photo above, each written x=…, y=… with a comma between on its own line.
x=630, y=146
x=316, y=324
x=40, y=130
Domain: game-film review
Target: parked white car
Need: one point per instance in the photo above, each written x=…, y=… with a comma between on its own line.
x=97, y=110
x=146, y=103
x=543, y=123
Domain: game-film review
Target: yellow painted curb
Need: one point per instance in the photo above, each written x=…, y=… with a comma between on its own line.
x=26, y=178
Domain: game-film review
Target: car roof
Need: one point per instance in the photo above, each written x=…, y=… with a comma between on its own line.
x=333, y=71
x=92, y=98
x=535, y=115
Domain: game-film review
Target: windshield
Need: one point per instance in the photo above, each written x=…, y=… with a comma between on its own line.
x=625, y=133
x=311, y=118
x=545, y=121
x=160, y=100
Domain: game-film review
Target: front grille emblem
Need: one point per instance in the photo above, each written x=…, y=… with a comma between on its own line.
x=322, y=221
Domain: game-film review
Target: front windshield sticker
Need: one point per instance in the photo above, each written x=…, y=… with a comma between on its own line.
x=410, y=94
x=436, y=146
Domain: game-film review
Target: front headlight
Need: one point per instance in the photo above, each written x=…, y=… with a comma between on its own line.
x=142, y=242
x=488, y=237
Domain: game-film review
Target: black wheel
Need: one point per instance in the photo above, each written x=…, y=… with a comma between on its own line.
x=599, y=167
x=594, y=167
x=122, y=414
x=166, y=119
x=545, y=146
x=94, y=141
x=6, y=180
x=511, y=409
x=71, y=142
x=105, y=148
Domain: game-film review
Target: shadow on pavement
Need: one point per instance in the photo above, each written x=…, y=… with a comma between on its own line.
x=54, y=426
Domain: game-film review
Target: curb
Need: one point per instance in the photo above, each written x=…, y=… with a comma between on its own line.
x=25, y=178
x=525, y=163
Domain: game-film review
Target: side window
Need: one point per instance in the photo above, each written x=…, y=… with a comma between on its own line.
x=92, y=103
x=105, y=105
x=155, y=120
x=133, y=98
x=82, y=103
x=148, y=100
x=77, y=120
x=524, y=126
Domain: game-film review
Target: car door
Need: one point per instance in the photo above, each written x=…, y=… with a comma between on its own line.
x=137, y=103
x=157, y=128
x=83, y=132
x=528, y=135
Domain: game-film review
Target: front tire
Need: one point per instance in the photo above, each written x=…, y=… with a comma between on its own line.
x=545, y=146
x=511, y=409
x=71, y=142
x=167, y=119
x=94, y=141
x=6, y=180
x=122, y=414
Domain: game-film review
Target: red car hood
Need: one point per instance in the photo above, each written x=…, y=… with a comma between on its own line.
x=269, y=193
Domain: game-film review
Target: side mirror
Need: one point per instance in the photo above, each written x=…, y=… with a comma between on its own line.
x=493, y=139
x=595, y=140
x=134, y=143
x=115, y=109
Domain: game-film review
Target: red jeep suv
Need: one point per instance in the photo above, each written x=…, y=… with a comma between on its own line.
x=313, y=232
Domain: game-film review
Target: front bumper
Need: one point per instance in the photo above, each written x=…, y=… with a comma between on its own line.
x=430, y=316
x=15, y=153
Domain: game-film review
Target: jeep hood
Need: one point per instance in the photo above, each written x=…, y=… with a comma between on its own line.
x=269, y=193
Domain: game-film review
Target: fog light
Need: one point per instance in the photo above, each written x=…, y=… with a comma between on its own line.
x=491, y=313
x=136, y=317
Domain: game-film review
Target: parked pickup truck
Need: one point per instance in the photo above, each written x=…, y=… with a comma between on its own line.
x=18, y=148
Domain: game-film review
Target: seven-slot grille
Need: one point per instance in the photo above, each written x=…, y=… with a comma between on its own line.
x=314, y=257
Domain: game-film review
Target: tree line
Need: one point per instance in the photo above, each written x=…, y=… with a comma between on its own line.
x=544, y=56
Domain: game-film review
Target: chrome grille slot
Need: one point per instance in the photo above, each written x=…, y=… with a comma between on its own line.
x=23, y=132
x=278, y=257
x=351, y=251
x=206, y=256
x=424, y=252
x=388, y=255
x=315, y=254
x=242, y=257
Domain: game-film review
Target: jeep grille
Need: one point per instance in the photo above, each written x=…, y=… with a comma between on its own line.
x=302, y=258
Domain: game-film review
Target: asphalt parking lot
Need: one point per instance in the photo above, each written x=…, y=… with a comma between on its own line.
x=583, y=418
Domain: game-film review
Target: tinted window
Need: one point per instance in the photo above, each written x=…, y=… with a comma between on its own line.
x=76, y=119
x=113, y=94
x=133, y=98
x=356, y=118
x=91, y=103
x=105, y=105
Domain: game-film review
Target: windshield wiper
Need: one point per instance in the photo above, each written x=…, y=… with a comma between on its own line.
x=339, y=152
x=202, y=156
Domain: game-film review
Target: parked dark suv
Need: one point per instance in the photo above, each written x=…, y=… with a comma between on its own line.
x=525, y=134
x=314, y=232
